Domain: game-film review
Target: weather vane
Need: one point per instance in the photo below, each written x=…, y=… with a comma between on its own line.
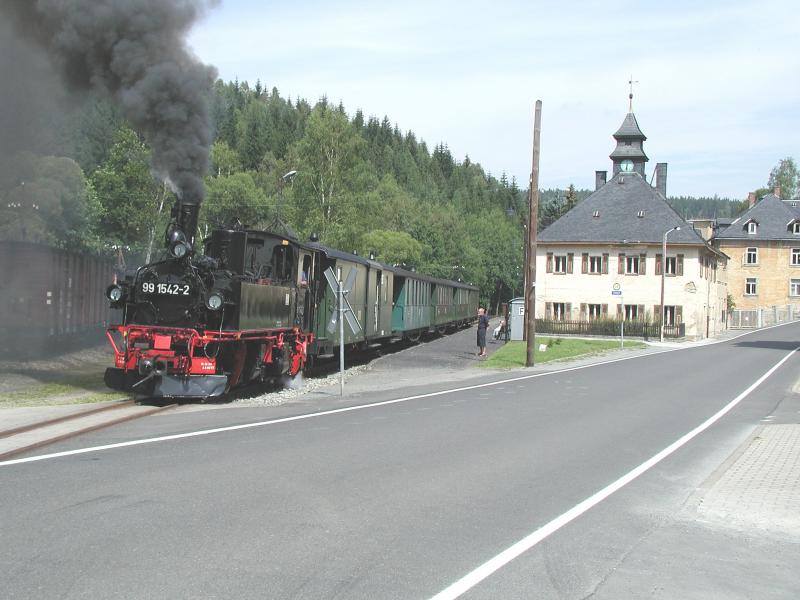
x=630, y=94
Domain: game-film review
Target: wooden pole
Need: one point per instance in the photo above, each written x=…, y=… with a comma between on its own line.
x=530, y=291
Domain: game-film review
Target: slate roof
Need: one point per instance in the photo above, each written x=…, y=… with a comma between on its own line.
x=772, y=215
x=630, y=128
x=617, y=205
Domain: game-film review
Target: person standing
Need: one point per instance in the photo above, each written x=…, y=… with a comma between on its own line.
x=483, y=325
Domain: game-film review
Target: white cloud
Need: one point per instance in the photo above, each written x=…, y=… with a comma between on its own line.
x=717, y=80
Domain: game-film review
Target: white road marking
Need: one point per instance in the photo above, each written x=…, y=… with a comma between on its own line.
x=334, y=411
x=471, y=579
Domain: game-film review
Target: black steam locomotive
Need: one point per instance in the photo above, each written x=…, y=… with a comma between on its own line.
x=256, y=305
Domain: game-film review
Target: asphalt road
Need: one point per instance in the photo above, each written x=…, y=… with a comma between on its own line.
x=402, y=499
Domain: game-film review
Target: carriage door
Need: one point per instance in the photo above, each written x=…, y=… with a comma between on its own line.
x=371, y=326
x=378, y=296
x=305, y=277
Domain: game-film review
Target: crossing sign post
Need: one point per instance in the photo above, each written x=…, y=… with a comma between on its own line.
x=341, y=313
x=616, y=290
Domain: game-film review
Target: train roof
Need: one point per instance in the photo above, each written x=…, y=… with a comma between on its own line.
x=398, y=271
x=339, y=255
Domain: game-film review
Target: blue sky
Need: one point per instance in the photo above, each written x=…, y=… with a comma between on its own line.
x=718, y=94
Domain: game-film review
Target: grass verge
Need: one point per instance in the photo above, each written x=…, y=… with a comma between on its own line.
x=514, y=354
x=77, y=390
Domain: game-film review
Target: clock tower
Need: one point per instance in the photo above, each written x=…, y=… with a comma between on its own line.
x=629, y=156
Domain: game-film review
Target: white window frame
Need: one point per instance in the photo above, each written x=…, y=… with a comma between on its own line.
x=796, y=227
x=751, y=253
x=794, y=287
x=594, y=311
x=752, y=228
x=796, y=257
x=559, y=311
x=669, y=315
x=751, y=286
x=670, y=265
x=595, y=265
x=631, y=265
x=560, y=261
x=631, y=312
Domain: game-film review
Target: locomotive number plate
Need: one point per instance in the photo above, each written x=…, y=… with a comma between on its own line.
x=170, y=289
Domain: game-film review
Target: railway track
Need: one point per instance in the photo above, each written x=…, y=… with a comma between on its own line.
x=32, y=436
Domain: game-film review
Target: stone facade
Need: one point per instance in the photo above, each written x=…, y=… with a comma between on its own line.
x=773, y=272
x=764, y=249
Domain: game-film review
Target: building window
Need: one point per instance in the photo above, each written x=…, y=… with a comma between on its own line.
x=595, y=311
x=796, y=227
x=794, y=287
x=631, y=312
x=596, y=264
x=751, y=256
x=670, y=265
x=750, y=286
x=669, y=315
x=631, y=265
x=796, y=257
x=560, y=311
x=752, y=227
x=560, y=264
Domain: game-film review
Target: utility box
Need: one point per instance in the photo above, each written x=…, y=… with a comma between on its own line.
x=516, y=318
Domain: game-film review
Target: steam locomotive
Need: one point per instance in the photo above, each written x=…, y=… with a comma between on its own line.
x=256, y=305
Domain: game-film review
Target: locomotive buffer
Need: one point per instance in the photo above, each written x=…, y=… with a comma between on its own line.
x=342, y=307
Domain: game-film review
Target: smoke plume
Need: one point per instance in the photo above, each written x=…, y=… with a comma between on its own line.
x=134, y=52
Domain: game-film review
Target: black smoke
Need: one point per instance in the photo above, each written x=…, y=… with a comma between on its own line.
x=135, y=53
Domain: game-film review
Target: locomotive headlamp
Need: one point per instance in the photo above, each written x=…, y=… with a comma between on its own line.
x=178, y=246
x=115, y=293
x=214, y=301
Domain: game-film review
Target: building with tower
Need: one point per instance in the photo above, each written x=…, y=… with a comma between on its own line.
x=605, y=259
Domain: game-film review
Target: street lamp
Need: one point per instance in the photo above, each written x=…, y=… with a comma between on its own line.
x=663, y=273
x=286, y=177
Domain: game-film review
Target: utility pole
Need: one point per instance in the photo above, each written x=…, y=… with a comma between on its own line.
x=530, y=291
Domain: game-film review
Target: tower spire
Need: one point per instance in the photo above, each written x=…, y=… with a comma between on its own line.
x=630, y=94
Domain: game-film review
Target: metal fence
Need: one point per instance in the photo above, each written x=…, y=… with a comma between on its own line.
x=763, y=316
x=609, y=328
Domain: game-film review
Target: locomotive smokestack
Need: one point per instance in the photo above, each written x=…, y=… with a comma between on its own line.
x=135, y=53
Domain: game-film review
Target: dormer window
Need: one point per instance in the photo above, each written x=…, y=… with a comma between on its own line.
x=596, y=214
x=640, y=214
x=752, y=228
x=796, y=228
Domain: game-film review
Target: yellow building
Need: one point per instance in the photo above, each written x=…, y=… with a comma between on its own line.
x=764, y=249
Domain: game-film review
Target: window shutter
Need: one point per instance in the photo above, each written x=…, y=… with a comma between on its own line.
x=584, y=263
x=679, y=265
x=584, y=311
x=549, y=267
x=548, y=310
x=678, y=315
x=605, y=264
x=640, y=310
x=570, y=260
x=604, y=309
x=642, y=264
x=621, y=265
x=659, y=266
x=657, y=313
x=619, y=311
x=568, y=311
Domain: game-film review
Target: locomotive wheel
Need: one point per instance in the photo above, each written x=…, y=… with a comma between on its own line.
x=413, y=337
